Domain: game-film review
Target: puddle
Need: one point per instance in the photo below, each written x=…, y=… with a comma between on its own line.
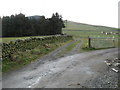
x=34, y=83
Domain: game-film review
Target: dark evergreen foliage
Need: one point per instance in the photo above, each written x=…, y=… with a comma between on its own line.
x=20, y=25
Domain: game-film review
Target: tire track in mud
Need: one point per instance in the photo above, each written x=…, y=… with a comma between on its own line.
x=75, y=50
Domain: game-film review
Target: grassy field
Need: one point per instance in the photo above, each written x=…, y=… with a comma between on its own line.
x=83, y=31
x=81, y=26
x=8, y=39
x=83, y=34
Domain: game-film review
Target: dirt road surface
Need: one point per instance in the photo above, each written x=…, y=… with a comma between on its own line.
x=83, y=70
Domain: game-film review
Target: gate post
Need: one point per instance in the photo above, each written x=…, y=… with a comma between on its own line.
x=89, y=42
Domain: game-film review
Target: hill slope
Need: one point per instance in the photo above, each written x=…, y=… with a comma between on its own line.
x=80, y=26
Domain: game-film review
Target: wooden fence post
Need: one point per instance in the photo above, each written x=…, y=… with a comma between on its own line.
x=89, y=42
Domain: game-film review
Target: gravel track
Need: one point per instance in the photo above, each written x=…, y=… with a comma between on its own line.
x=75, y=50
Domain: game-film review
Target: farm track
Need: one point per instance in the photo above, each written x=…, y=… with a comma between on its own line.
x=53, y=55
x=75, y=50
x=72, y=71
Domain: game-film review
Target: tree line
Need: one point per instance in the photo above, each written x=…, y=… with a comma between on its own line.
x=19, y=25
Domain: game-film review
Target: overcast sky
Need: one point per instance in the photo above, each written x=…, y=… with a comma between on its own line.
x=96, y=12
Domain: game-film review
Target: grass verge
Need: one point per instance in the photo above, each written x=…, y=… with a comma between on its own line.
x=68, y=49
x=89, y=49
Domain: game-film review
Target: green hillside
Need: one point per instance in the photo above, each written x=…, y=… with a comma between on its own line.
x=80, y=26
x=84, y=30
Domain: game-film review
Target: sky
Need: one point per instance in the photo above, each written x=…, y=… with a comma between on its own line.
x=95, y=12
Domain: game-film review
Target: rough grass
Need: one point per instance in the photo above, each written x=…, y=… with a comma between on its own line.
x=84, y=34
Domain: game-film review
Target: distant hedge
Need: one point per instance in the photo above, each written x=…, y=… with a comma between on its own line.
x=8, y=49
